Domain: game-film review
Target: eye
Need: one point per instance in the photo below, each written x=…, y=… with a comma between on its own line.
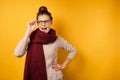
x=45, y=22
x=38, y=21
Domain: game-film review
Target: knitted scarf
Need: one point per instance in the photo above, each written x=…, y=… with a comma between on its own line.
x=35, y=66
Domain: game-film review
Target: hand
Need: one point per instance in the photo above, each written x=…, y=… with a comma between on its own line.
x=31, y=26
x=57, y=66
x=30, y=29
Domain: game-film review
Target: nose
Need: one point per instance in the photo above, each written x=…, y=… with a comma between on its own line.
x=43, y=24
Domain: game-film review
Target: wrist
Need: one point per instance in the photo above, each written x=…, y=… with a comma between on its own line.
x=63, y=66
x=26, y=36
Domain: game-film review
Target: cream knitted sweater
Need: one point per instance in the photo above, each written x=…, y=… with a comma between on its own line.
x=50, y=52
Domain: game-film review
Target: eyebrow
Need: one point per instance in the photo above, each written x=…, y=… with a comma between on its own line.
x=43, y=20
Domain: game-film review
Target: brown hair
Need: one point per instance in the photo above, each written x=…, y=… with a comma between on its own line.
x=43, y=10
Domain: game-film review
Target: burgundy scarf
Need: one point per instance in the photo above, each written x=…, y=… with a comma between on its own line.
x=35, y=66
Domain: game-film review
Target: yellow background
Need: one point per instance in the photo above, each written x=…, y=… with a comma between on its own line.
x=92, y=26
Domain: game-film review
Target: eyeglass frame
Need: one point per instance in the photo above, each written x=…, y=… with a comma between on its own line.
x=46, y=22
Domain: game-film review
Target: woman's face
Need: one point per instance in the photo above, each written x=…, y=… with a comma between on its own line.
x=44, y=23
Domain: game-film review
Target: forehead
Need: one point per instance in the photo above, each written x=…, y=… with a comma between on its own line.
x=43, y=17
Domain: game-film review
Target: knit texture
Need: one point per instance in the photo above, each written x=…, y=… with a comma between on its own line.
x=35, y=66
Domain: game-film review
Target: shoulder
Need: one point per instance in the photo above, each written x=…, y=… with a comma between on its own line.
x=59, y=38
x=61, y=41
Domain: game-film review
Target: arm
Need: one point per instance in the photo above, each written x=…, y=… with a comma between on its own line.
x=65, y=63
x=23, y=44
x=21, y=48
x=71, y=50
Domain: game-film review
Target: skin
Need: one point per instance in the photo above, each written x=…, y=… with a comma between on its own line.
x=45, y=28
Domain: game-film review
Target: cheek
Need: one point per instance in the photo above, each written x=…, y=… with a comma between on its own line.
x=48, y=26
x=43, y=26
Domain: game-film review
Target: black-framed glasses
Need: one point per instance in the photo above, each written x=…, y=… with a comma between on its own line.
x=46, y=22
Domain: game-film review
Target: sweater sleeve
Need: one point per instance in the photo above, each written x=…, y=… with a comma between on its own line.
x=21, y=48
x=67, y=46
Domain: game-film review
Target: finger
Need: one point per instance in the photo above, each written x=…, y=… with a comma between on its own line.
x=32, y=22
x=58, y=67
x=53, y=66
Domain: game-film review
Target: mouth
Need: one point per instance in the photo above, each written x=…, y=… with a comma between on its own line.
x=43, y=28
x=46, y=30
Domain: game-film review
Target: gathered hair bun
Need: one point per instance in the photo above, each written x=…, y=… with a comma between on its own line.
x=43, y=9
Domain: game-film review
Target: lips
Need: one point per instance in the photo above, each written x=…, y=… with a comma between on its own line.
x=44, y=28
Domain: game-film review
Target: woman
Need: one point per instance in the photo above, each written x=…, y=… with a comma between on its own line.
x=42, y=45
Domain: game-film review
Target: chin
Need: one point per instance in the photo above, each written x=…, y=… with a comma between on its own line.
x=46, y=31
